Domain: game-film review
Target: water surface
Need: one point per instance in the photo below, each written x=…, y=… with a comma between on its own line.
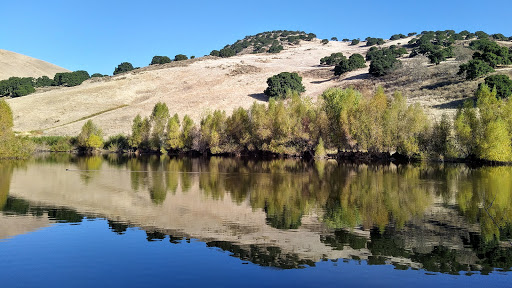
x=119, y=221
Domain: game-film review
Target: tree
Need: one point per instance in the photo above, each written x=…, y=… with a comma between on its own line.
x=215, y=53
x=474, y=69
x=279, y=84
x=275, y=49
x=174, y=140
x=136, y=137
x=355, y=42
x=226, y=52
x=70, y=79
x=160, y=60
x=159, y=119
x=333, y=59
x=97, y=75
x=334, y=39
x=324, y=41
x=187, y=133
x=180, y=57
x=501, y=83
x=123, y=67
x=44, y=81
x=91, y=137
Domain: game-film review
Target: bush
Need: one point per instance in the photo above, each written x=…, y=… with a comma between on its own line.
x=383, y=65
x=123, y=67
x=44, y=81
x=355, y=42
x=275, y=49
x=324, y=41
x=215, y=53
x=333, y=59
x=226, y=52
x=70, y=79
x=370, y=41
x=180, y=57
x=280, y=84
x=91, y=137
x=97, y=75
x=160, y=60
x=474, y=69
x=16, y=86
x=334, y=39
x=501, y=83
x=355, y=61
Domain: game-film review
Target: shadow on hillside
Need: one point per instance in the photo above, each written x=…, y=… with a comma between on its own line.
x=259, y=97
x=358, y=77
x=323, y=81
x=453, y=104
x=441, y=84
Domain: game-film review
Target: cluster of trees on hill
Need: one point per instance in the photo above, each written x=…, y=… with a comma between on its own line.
x=16, y=86
x=166, y=59
x=370, y=41
x=384, y=60
x=271, y=42
x=342, y=64
x=437, y=46
x=487, y=57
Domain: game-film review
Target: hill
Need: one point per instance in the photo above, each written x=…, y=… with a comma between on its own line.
x=204, y=84
x=18, y=65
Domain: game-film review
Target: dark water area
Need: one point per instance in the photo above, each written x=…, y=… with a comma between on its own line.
x=219, y=222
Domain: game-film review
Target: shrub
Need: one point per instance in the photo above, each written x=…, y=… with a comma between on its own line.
x=90, y=137
x=370, y=41
x=501, y=83
x=97, y=75
x=334, y=39
x=355, y=61
x=355, y=42
x=160, y=60
x=123, y=67
x=275, y=49
x=16, y=86
x=70, y=78
x=324, y=41
x=333, y=59
x=226, y=52
x=474, y=69
x=44, y=81
x=280, y=84
x=180, y=57
x=215, y=53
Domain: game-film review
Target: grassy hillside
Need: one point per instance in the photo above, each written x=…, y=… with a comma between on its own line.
x=18, y=65
x=204, y=84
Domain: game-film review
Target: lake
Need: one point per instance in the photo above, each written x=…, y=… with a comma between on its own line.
x=115, y=221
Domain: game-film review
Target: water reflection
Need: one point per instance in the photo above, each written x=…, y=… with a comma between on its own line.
x=284, y=213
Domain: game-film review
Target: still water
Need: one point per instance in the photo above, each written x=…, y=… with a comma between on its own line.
x=134, y=222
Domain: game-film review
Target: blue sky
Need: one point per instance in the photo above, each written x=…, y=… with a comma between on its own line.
x=98, y=35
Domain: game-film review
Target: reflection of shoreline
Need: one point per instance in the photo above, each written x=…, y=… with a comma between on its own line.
x=209, y=208
x=21, y=224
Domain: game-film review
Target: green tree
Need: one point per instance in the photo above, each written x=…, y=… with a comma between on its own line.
x=136, y=137
x=333, y=59
x=180, y=57
x=187, y=133
x=160, y=60
x=279, y=84
x=123, y=67
x=91, y=136
x=44, y=81
x=501, y=83
x=474, y=69
x=174, y=141
x=70, y=79
x=159, y=118
x=324, y=41
x=355, y=42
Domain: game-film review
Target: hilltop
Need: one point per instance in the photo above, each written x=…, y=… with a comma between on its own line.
x=18, y=65
x=204, y=84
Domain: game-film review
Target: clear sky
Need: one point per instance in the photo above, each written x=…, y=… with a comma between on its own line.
x=98, y=35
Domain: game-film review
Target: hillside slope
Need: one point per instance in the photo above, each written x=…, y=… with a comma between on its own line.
x=187, y=87
x=14, y=64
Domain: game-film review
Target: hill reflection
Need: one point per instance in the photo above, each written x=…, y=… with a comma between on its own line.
x=282, y=213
